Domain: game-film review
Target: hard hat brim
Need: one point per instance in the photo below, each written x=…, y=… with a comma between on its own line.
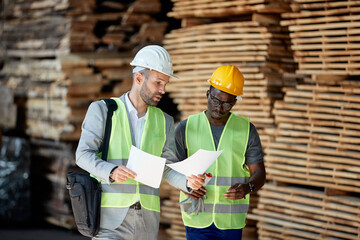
x=223, y=89
x=167, y=74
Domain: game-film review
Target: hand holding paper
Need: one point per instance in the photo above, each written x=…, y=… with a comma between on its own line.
x=149, y=168
x=195, y=182
x=197, y=163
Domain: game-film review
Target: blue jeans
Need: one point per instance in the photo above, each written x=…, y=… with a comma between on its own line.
x=212, y=233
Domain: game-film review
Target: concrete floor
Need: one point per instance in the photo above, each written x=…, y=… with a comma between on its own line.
x=48, y=233
x=40, y=234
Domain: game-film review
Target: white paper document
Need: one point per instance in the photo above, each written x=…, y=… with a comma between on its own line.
x=197, y=163
x=149, y=168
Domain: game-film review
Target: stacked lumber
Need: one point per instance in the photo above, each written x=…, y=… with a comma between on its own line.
x=134, y=25
x=53, y=160
x=39, y=29
x=324, y=36
x=59, y=91
x=218, y=8
x=286, y=212
x=47, y=28
x=8, y=108
x=317, y=137
x=170, y=210
x=316, y=143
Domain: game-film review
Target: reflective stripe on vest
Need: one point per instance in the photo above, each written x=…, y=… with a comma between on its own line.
x=227, y=170
x=121, y=195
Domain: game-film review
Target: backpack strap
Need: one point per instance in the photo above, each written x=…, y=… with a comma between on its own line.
x=112, y=106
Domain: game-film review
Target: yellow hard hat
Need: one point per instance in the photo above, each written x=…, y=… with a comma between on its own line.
x=228, y=79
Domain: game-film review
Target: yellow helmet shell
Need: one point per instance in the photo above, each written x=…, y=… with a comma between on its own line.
x=228, y=79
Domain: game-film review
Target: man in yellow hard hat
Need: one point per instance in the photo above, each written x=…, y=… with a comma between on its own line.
x=236, y=173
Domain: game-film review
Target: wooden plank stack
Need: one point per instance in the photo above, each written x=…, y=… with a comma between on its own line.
x=246, y=34
x=316, y=146
x=8, y=108
x=317, y=137
x=42, y=28
x=170, y=210
x=218, y=8
x=325, y=36
x=286, y=212
x=53, y=160
x=315, y=153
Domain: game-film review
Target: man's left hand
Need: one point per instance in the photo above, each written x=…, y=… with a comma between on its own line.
x=238, y=191
x=195, y=182
x=196, y=194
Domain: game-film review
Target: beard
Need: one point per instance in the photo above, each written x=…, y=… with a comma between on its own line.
x=148, y=97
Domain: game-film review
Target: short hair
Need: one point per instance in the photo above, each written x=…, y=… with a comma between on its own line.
x=144, y=71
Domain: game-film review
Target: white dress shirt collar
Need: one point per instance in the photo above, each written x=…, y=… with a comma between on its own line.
x=137, y=124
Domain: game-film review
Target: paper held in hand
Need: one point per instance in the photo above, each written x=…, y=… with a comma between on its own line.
x=148, y=168
x=197, y=163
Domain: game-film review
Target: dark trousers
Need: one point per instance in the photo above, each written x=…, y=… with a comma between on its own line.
x=212, y=233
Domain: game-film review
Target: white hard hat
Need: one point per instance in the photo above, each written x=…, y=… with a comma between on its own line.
x=155, y=58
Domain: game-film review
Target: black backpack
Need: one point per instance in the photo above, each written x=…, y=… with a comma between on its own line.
x=85, y=191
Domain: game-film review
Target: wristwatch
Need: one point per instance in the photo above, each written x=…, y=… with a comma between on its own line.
x=251, y=187
x=110, y=178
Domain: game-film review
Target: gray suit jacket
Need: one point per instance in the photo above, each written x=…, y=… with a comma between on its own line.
x=90, y=143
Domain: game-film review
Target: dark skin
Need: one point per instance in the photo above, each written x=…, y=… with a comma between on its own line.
x=218, y=116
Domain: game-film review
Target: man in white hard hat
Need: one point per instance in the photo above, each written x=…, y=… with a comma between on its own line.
x=130, y=210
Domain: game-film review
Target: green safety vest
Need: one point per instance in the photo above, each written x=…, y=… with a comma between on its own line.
x=227, y=170
x=153, y=139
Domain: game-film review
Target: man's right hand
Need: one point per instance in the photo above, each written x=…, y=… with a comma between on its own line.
x=196, y=194
x=121, y=174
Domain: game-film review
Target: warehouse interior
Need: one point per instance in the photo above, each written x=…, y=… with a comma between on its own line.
x=301, y=63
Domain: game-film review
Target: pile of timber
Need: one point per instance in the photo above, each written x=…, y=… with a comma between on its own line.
x=53, y=160
x=41, y=28
x=317, y=137
x=325, y=36
x=218, y=8
x=170, y=211
x=288, y=212
x=246, y=34
x=49, y=28
x=59, y=91
x=8, y=108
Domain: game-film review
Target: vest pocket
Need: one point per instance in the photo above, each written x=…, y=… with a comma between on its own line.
x=78, y=201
